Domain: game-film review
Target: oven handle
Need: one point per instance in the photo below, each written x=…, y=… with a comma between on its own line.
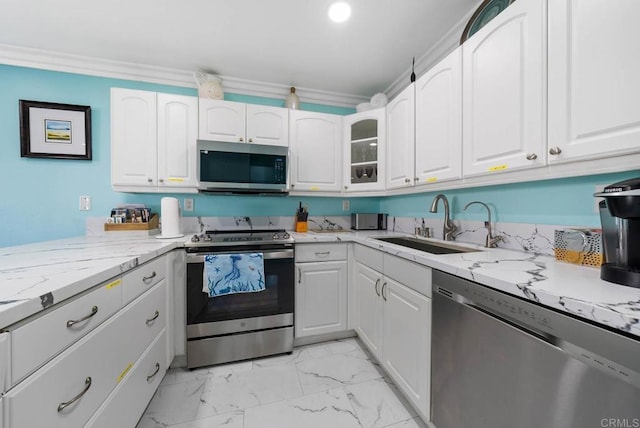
x=268, y=255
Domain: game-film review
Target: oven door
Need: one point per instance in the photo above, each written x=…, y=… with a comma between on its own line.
x=273, y=307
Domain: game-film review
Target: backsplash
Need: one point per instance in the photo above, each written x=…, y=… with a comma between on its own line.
x=531, y=238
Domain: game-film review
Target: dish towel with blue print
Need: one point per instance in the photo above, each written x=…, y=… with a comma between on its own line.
x=233, y=273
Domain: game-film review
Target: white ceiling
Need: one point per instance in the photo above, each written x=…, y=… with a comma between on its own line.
x=289, y=42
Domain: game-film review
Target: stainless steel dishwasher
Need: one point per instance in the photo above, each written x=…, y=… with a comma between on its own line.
x=499, y=361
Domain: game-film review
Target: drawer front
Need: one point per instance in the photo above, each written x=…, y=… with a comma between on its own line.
x=128, y=401
x=34, y=343
x=143, y=278
x=5, y=361
x=146, y=318
x=413, y=275
x=369, y=257
x=321, y=252
x=89, y=369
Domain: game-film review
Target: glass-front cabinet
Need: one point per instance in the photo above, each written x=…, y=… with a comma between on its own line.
x=364, y=151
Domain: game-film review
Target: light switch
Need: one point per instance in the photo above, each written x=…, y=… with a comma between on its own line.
x=85, y=203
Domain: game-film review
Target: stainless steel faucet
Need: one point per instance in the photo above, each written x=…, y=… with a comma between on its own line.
x=448, y=227
x=491, y=241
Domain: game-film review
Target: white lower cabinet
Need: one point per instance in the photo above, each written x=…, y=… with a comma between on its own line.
x=123, y=407
x=321, y=289
x=91, y=373
x=393, y=319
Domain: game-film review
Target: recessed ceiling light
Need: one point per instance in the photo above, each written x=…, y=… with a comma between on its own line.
x=339, y=11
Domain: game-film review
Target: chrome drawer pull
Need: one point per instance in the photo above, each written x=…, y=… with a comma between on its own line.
x=149, y=278
x=153, y=318
x=71, y=323
x=323, y=253
x=376, y=286
x=152, y=375
x=383, y=288
x=87, y=385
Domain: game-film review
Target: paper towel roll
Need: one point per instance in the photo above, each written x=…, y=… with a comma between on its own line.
x=170, y=218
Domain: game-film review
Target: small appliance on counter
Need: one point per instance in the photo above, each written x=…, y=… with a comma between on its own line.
x=368, y=221
x=620, y=217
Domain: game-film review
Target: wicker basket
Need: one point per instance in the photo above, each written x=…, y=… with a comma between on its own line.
x=113, y=227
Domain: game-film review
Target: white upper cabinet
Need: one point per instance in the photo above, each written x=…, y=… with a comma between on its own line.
x=504, y=91
x=267, y=125
x=239, y=123
x=364, y=148
x=133, y=138
x=401, y=139
x=438, y=155
x=153, y=140
x=177, y=136
x=594, y=83
x=316, y=151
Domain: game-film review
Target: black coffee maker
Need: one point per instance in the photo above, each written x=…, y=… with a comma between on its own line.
x=620, y=217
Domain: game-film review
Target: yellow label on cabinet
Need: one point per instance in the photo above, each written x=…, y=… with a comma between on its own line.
x=114, y=283
x=431, y=179
x=124, y=373
x=175, y=179
x=498, y=167
x=314, y=188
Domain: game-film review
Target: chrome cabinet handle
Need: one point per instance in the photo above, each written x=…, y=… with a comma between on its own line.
x=532, y=156
x=161, y=180
x=251, y=140
x=376, y=287
x=416, y=178
x=87, y=385
x=152, y=375
x=555, y=151
x=346, y=187
x=71, y=323
x=299, y=276
x=241, y=139
x=153, y=318
x=406, y=180
x=149, y=278
x=293, y=185
x=149, y=180
x=383, y=288
x=323, y=253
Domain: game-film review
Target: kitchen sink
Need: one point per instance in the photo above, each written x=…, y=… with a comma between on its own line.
x=426, y=246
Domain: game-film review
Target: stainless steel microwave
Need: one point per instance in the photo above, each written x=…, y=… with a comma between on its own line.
x=242, y=168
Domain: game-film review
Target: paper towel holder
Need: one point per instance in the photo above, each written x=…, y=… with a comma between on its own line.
x=170, y=219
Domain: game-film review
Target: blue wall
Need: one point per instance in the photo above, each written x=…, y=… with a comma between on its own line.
x=39, y=197
x=567, y=201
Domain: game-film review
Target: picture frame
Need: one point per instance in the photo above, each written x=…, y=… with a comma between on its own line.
x=52, y=130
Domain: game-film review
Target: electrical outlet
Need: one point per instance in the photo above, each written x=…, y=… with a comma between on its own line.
x=188, y=204
x=85, y=203
x=599, y=188
x=345, y=205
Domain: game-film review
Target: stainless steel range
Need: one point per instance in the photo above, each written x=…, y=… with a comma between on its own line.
x=239, y=326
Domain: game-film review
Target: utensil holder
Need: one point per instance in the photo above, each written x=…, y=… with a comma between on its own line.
x=302, y=226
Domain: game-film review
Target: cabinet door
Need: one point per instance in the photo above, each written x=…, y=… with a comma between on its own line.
x=407, y=339
x=221, y=120
x=368, y=307
x=401, y=139
x=268, y=125
x=439, y=122
x=177, y=135
x=316, y=151
x=364, y=149
x=321, y=298
x=133, y=138
x=593, y=79
x=503, y=92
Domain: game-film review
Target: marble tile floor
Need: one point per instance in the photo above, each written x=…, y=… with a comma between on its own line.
x=328, y=385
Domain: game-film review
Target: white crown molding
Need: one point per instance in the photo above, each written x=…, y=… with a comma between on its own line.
x=443, y=47
x=69, y=63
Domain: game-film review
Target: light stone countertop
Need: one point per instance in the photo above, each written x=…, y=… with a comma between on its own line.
x=35, y=276
x=569, y=288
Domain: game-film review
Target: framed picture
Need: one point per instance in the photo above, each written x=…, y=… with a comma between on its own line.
x=51, y=130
